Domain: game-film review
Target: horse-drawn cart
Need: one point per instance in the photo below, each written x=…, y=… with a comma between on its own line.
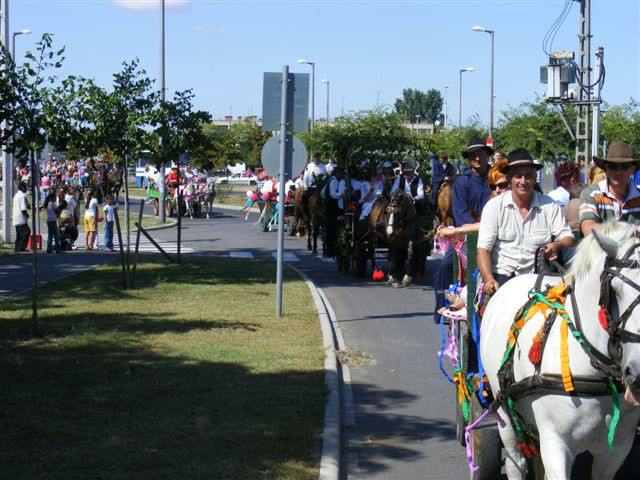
x=368, y=245
x=153, y=197
x=472, y=395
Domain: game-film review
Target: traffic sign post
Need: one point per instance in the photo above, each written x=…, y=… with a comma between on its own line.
x=288, y=94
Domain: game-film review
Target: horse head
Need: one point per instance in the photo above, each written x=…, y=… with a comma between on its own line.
x=400, y=212
x=613, y=253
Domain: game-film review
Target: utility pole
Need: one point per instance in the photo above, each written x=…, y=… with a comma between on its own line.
x=161, y=187
x=584, y=95
x=7, y=167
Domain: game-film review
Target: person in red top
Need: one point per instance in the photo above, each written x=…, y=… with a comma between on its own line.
x=173, y=178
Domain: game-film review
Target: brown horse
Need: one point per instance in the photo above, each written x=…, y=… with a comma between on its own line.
x=444, y=206
x=109, y=184
x=310, y=221
x=393, y=223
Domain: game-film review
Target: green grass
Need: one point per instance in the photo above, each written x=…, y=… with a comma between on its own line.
x=188, y=376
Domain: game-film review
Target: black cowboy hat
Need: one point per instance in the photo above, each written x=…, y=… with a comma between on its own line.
x=619, y=152
x=520, y=157
x=409, y=163
x=474, y=145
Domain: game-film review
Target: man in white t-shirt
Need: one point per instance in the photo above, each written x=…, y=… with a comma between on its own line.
x=20, y=218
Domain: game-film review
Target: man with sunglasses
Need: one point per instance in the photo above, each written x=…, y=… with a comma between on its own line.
x=615, y=197
x=518, y=223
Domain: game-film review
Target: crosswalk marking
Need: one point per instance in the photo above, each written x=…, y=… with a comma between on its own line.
x=241, y=255
x=287, y=256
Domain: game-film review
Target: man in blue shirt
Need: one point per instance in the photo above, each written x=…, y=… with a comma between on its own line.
x=441, y=170
x=470, y=193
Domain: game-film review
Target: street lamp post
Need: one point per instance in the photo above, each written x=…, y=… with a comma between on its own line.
x=313, y=87
x=417, y=123
x=478, y=28
x=25, y=31
x=462, y=70
x=446, y=106
x=324, y=80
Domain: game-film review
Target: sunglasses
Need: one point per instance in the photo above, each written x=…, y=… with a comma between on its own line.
x=619, y=166
x=501, y=186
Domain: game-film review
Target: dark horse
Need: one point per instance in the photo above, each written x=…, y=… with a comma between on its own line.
x=393, y=223
x=109, y=183
x=310, y=219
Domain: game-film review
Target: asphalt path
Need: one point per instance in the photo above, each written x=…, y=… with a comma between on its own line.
x=404, y=407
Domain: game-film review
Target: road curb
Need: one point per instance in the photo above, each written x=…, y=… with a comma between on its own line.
x=330, y=459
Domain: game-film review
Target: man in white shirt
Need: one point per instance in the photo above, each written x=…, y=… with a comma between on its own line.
x=312, y=173
x=411, y=184
x=335, y=208
x=20, y=218
x=515, y=224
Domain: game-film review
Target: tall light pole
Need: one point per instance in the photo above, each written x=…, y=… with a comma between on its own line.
x=313, y=87
x=162, y=215
x=417, y=123
x=324, y=80
x=478, y=28
x=25, y=31
x=462, y=70
x=446, y=106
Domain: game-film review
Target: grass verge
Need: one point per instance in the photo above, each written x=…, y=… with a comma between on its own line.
x=189, y=376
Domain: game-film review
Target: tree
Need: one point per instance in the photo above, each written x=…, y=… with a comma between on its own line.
x=621, y=122
x=27, y=121
x=428, y=105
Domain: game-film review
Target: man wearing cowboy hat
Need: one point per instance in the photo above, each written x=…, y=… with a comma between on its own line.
x=410, y=183
x=470, y=193
x=615, y=197
x=515, y=224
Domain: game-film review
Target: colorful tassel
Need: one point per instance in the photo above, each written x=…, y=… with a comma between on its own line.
x=602, y=318
x=535, y=352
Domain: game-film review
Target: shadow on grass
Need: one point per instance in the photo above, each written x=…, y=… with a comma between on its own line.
x=108, y=410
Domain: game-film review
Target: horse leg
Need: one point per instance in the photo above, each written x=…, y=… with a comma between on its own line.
x=316, y=231
x=391, y=280
x=556, y=455
x=515, y=464
x=308, y=233
x=406, y=280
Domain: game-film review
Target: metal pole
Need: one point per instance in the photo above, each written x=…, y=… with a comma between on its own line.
x=595, y=132
x=446, y=106
x=161, y=187
x=126, y=217
x=7, y=164
x=284, y=125
x=327, y=102
x=460, y=100
x=491, y=89
x=313, y=88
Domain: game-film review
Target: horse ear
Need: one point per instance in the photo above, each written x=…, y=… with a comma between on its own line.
x=609, y=245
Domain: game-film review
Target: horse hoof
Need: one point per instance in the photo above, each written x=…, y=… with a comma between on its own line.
x=390, y=280
x=395, y=285
x=298, y=235
x=406, y=280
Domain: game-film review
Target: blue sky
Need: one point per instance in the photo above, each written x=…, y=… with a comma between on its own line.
x=368, y=50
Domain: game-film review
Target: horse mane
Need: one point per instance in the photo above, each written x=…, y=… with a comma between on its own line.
x=407, y=210
x=588, y=250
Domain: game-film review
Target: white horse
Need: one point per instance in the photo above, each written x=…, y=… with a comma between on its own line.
x=571, y=424
x=208, y=194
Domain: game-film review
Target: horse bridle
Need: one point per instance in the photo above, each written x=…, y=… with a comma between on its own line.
x=395, y=208
x=616, y=327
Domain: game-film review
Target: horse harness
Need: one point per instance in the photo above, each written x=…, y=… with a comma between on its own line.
x=610, y=366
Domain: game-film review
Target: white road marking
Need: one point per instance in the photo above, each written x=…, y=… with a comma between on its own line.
x=287, y=256
x=241, y=255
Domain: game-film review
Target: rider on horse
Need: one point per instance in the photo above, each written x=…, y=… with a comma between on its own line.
x=315, y=169
x=411, y=184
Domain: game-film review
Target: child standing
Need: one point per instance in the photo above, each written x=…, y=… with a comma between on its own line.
x=91, y=219
x=109, y=216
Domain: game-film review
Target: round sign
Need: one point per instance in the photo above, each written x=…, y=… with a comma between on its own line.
x=490, y=142
x=295, y=158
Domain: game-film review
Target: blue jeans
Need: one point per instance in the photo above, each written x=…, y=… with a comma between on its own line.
x=54, y=235
x=108, y=235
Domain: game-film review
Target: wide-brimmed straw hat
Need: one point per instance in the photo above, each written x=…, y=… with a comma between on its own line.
x=518, y=158
x=474, y=145
x=619, y=152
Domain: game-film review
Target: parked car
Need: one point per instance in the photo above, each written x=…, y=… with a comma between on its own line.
x=237, y=179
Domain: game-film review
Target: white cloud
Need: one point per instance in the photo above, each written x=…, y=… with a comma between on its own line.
x=217, y=31
x=152, y=4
